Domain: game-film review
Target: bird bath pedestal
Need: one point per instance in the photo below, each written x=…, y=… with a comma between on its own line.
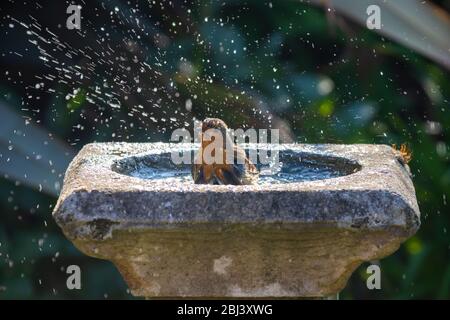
x=283, y=237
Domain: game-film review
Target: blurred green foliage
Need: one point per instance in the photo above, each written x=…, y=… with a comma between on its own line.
x=281, y=64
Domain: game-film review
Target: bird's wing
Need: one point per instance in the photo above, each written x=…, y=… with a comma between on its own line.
x=239, y=172
x=243, y=160
x=229, y=177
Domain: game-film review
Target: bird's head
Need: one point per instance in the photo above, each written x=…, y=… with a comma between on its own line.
x=212, y=125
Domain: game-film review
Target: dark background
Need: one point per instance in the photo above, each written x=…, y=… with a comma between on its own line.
x=137, y=70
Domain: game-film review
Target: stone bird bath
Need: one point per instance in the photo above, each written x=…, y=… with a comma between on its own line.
x=300, y=233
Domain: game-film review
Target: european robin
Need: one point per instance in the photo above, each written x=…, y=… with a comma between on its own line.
x=220, y=170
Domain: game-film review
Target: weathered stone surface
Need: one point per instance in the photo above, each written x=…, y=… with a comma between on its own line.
x=301, y=239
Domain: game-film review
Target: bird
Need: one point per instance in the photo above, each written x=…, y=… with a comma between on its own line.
x=240, y=172
x=404, y=153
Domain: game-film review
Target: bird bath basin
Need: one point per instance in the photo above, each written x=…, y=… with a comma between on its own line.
x=300, y=232
x=294, y=166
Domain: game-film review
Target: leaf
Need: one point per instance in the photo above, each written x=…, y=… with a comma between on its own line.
x=31, y=155
x=418, y=25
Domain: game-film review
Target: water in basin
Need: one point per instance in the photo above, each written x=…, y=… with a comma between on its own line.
x=293, y=167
